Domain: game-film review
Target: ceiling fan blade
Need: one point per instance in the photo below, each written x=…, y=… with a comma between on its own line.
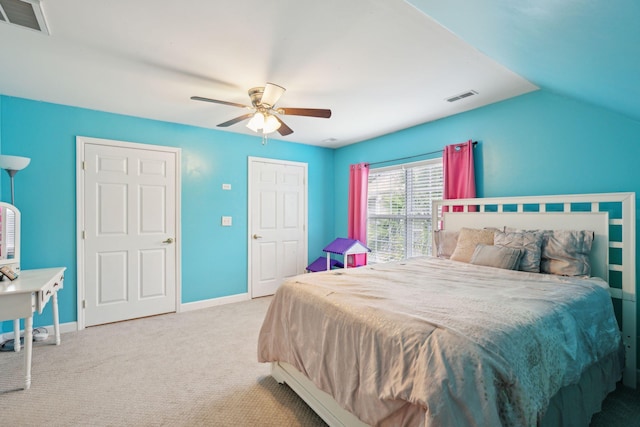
x=236, y=120
x=216, y=101
x=272, y=94
x=283, y=130
x=310, y=112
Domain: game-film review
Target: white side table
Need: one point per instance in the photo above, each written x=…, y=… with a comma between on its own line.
x=22, y=297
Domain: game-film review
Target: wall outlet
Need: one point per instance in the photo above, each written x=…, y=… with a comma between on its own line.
x=226, y=221
x=226, y=186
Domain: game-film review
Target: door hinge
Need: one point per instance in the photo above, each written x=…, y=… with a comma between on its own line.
x=84, y=304
x=84, y=235
x=84, y=166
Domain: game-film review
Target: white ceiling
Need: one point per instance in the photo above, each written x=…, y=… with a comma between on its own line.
x=379, y=65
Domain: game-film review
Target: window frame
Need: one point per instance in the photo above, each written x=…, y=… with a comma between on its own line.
x=407, y=218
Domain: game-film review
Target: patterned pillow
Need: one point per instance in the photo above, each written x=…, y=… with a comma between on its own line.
x=468, y=239
x=566, y=252
x=496, y=256
x=531, y=244
x=445, y=241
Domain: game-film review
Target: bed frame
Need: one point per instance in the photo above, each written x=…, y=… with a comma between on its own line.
x=612, y=216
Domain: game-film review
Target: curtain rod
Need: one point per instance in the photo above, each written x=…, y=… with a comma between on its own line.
x=414, y=156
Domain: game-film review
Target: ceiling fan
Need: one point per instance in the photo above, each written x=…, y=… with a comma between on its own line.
x=263, y=115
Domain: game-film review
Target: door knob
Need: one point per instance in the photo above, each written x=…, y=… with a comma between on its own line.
x=257, y=236
x=169, y=240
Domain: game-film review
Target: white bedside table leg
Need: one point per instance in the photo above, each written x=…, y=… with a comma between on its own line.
x=28, y=343
x=56, y=321
x=16, y=335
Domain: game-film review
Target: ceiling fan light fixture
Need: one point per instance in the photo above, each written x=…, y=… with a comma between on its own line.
x=264, y=116
x=271, y=95
x=271, y=124
x=257, y=122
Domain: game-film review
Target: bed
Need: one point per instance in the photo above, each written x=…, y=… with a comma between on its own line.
x=441, y=342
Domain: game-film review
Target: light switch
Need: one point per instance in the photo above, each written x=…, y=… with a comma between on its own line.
x=226, y=221
x=226, y=186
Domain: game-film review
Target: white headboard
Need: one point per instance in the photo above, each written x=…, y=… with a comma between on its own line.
x=596, y=222
x=612, y=217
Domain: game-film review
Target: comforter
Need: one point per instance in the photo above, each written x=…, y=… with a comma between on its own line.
x=440, y=343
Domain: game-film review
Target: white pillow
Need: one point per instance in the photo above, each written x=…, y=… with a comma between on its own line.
x=445, y=242
x=496, y=256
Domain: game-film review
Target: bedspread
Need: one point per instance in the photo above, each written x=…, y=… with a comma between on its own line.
x=440, y=343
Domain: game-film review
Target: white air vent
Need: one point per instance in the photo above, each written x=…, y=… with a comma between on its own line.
x=462, y=96
x=25, y=13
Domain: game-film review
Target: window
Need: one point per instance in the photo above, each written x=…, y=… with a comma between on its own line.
x=399, y=209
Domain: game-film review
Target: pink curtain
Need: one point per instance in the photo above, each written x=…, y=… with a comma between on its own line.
x=357, y=229
x=459, y=175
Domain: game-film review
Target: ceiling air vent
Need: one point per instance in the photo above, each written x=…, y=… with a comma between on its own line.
x=462, y=96
x=25, y=13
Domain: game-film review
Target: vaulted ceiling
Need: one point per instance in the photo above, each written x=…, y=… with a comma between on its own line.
x=379, y=65
x=584, y=49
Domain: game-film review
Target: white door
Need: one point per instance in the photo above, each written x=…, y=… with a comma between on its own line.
x=277, y=223
x=129, y=233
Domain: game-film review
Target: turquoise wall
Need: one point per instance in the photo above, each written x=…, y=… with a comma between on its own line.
x=214, y=258
x=535, y=144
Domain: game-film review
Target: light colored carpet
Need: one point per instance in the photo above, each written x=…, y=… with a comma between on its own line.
x=189, y=369
x=192, y=369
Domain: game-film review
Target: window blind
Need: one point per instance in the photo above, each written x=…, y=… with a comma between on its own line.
x=399, y=210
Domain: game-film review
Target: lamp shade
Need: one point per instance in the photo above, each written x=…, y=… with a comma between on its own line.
x=271, y=124
x=14, y=163
x=256, y=123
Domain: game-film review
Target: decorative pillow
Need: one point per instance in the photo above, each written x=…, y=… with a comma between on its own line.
x=496, y=256
x=445, y=241
x=468, y=239
x=530, y=242
x=566, y=252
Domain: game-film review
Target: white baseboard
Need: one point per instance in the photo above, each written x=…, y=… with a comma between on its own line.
x=64, y=328
x=190, y=306
x=197, y=305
